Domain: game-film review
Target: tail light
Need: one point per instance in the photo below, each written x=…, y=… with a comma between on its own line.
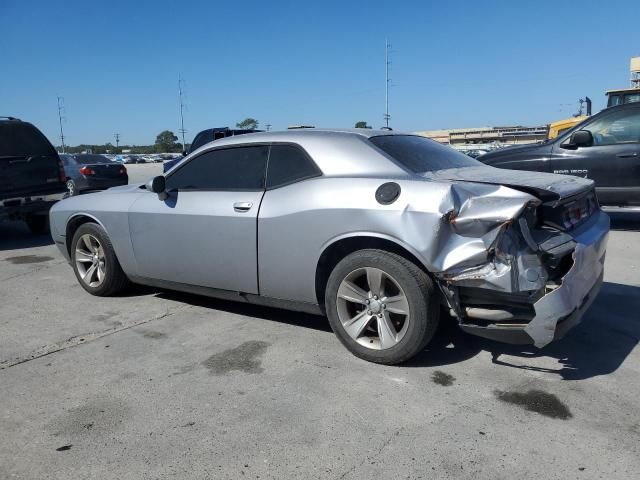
x=87, y=171
x=123, y=170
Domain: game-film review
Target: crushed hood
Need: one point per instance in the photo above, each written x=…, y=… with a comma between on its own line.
x=546, y=186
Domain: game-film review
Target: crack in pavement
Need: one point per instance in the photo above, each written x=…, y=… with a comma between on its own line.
x=82, y=339
x=384, y=445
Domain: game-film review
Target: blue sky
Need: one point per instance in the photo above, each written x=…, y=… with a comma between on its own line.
x=455, y=64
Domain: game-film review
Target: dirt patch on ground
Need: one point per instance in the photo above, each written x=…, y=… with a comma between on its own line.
x=537, y=401
x=246, y=357
x=25, y=259
x=442, y=378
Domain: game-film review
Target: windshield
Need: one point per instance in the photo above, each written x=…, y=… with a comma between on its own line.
x=21, y=139
x=92, y=159
x=419, y=154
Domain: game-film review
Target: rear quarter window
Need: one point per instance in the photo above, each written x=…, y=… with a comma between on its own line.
x=289, y=164
x=23, y=139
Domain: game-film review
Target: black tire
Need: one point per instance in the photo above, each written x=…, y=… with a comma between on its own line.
x=38, y=223
x=421, y=296
x=115, y=279
x=72, y=188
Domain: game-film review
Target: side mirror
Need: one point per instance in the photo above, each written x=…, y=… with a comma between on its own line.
x=158, y=185
x=581, y=138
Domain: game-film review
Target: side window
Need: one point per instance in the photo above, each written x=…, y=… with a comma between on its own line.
x=632, y=98
x=240, y=168
x=614, y=100
x=289, y=164
x=619, y=127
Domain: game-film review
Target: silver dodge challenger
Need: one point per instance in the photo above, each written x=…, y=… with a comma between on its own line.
x=381, y=232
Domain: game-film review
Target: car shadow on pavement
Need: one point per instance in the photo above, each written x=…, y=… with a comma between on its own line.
x=299, y=319
x=624, y=219
x=16, y=235
x=608, y=333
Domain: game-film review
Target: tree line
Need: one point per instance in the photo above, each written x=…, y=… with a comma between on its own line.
x=166, y=142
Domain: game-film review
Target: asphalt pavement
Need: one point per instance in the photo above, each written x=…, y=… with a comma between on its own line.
x=157, y=384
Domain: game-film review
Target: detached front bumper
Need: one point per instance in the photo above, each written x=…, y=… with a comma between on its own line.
x=562, y=307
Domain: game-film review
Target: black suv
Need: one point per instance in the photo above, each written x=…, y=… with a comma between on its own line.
x=204, y=137
x=32, y=177
x=604, y=148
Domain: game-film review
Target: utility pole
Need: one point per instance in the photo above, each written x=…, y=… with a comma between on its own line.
x=181, y=93
x=117, y=137
x=387, y=80
x=268, y=126
x=60, y=109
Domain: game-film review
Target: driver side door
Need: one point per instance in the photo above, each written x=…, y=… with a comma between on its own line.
x=205, y=232
x=612, y=162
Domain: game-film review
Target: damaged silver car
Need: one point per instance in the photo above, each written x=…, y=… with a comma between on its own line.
x=375, y=229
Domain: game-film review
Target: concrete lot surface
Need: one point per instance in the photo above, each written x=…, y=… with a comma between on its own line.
x=155, y=384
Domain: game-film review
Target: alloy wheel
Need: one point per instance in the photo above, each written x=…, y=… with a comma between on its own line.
x=373, y=308
x=71, y=187
x=90, y=260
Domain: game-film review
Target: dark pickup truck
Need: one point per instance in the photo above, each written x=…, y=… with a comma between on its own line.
x=604, y=148
x=32, y=176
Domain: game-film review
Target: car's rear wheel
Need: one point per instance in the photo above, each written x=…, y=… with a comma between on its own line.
x=95, y=263
x=72, y=188
x=381, y=306
x=38, y=223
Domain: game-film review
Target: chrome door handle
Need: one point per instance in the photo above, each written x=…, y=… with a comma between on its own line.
x=242, y=206
x=627, y=155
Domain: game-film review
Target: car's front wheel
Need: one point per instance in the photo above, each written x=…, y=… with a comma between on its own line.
x=381, y=306
x=95, y=263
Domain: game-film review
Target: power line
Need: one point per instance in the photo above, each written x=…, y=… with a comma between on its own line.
x=60, y=110
x=181, y=94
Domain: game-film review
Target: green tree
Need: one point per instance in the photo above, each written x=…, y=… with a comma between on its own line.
x=362, y=124
x=167, y=141
x=248, y=124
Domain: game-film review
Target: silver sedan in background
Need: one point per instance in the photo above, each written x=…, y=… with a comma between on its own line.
x=380, y=231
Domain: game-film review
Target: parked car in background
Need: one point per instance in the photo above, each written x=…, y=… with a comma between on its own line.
x=128, y=159
x=31, y=174
x=204, y=137
x=604, y=148
x=86, y=172
x=475, y=153
x=374, y=228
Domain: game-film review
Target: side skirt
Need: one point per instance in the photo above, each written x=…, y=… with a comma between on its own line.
x=296, y=306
